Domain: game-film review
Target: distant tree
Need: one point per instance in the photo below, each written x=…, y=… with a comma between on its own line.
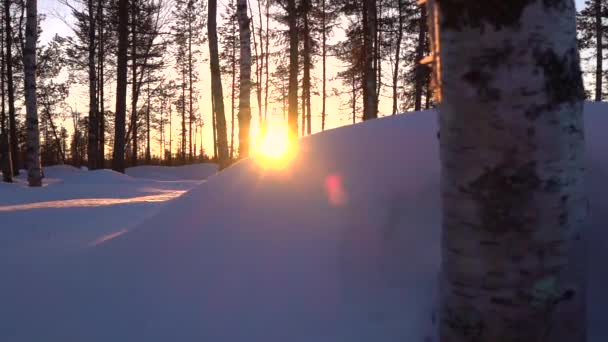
x=188, y=35
x=592, y=32
x=229, y=41
x=370, y=97
x=52, y=92
x=6, y=164
x=14, y=150
x=512, y=158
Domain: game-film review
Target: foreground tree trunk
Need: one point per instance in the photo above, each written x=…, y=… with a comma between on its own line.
x=599, y=71
x=118, y=162
x=10, y=87
x=244, y=115
x=216, y=87
x=292, y=92
x=34, y=171
x=370, y=99
x=512, y=146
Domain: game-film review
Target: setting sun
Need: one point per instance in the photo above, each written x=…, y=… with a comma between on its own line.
x=272, y=148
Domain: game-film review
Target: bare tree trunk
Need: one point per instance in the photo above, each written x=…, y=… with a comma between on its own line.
x=5, y=154
x=293, y=68
x=398, y=56
x=266, y=62
x=183, y=143
x=214, y=126
x=12, y=123
x=244, y=115
x=377, y=57
x=34, y=170
x=92, y=147
x=170, y=160
x=261, y=56
x=148, y=155
x=233, y=93
x=118, y=162
x=134, y=85
x=512, y=146
x=190, y=84
x=101, y=111
x=599, y=71
x=256, y=57
x=419, y=71
x=324, y=63
x=370, y=100
x=216, y=86
x=307, y=65
x=303, y=104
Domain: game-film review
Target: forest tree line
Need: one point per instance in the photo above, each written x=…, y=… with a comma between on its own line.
x=140, y=62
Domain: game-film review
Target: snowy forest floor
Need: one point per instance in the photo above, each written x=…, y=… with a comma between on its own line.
x=343, y=245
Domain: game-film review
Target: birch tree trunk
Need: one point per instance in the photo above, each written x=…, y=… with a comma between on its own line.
x=512, y=146
x=370, y=100
x=599, y=71
x=292, y=116
x=118, y=162
x=244, y=115
x=216, y=87
x=92, y=146
x=34, y=171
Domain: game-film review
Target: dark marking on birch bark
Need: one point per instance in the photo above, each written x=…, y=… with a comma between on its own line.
x=502, y=194
x=499, y=14
x=558, y=5
x=481, y=81
x=467, y=321
x=563, y=79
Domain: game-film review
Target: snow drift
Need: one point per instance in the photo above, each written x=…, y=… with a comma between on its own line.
x=341, y=246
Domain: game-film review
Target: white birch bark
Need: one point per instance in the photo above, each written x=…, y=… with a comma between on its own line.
x=34, y=170
x=512, y=144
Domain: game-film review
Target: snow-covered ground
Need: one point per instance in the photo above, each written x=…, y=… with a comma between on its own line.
x=343, y=245
x=77, y=208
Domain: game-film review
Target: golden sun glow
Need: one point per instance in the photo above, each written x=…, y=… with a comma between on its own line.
x=272, y=148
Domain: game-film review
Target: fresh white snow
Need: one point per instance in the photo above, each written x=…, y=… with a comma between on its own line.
x=341, y=246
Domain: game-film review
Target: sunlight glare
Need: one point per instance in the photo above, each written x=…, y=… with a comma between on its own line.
x=272, y=148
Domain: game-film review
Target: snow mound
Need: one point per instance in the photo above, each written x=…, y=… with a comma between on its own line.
x=165, y=173
x=341, y=246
